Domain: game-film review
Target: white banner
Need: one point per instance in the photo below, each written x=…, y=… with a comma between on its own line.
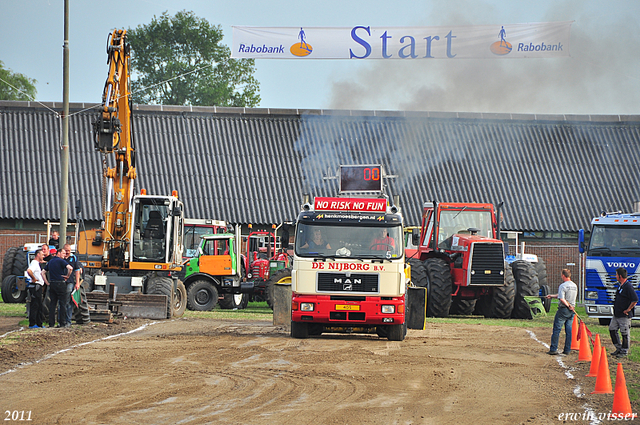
x=536, y=40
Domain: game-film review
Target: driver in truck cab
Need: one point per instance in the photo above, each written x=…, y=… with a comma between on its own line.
x=316, y=242
x=382, y=241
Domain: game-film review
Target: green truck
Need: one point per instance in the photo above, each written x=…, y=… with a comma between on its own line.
x=215, y=275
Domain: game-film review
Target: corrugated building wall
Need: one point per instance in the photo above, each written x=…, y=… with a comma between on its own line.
x=254, y=165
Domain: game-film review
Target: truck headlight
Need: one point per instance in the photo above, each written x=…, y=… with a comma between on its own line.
x=306, y=306
x=388, y=309
x=592, y=295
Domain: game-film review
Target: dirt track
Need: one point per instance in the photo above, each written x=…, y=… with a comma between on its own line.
x=194, y=371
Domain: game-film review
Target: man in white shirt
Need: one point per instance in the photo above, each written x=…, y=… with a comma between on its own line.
x=567, y=294
x=35, y=289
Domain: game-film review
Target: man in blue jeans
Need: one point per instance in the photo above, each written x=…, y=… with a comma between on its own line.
x=567, y=293
x=58, y=271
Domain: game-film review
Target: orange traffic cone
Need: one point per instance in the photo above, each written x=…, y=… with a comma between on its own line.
x=585, y=348
x=621, y=403
x=603, y=380
x=595, y=361
x=575, y=345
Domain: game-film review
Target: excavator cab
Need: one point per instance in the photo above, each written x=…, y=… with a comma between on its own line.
x=158, y=229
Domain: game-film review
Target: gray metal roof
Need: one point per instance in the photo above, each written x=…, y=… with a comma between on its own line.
x=253, y=165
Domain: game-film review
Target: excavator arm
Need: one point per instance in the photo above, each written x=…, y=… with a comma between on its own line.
x=113, y=135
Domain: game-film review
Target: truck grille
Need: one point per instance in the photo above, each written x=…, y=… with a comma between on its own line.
x=486, y=264
x=354, y=283
x=611, y=283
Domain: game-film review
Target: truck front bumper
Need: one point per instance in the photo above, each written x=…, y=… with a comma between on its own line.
x=365, y=310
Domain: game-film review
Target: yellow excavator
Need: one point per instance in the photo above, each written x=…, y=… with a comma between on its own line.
x=130, y=262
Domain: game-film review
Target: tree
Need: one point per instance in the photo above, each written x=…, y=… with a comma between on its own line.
x=179, y=61
x=15, y=86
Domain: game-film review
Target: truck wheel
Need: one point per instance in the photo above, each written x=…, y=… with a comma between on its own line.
x=81, y=312
x=232, y=301
x=159, y=285
x=179, y=299
x=202, y=295
x=462, y=307
x=439, y=287
x=499, y=304
x=7, y=263
x=245, y=301
x=527, y=285
x=281, y=276
x=299, y=330
x=396, y=332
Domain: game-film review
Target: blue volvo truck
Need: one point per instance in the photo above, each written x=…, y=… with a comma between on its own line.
x=614, y=242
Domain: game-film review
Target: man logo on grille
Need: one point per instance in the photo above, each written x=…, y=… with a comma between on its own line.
x=347, y=287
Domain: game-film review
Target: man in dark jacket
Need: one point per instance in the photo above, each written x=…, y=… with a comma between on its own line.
x=73, y=282
x=625, y=302
x=58, y=271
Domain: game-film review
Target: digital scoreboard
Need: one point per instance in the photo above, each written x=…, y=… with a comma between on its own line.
x=360, y=178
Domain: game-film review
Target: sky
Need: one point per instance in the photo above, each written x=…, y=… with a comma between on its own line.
x=601, y=76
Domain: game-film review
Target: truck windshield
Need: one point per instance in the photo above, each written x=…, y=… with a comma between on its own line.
x=459, y=222
x=614, y=240
x=349, y=240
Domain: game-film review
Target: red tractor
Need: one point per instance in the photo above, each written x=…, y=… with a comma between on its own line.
x=265, y=264
x=458, y=257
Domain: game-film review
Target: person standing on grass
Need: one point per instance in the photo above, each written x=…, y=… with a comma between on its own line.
x=623, y=305
x=567, y=294
x=73, y=282
x=35, y=290
x=58, y=271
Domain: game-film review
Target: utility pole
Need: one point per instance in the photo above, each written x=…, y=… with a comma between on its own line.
x=64, y=154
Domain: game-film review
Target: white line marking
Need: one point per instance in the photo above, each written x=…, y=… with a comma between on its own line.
x=577, y=391
x=48, y=356
x=10, y=332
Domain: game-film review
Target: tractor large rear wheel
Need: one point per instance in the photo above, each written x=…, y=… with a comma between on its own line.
x=439, y=287
x=279, y=277
x=527, y=285
x=14, y=264
x=20, y=264
x=462, y=307
x=7, y=263
x=499, y=304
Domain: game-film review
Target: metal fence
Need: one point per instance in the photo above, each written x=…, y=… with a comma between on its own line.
x=558, y=257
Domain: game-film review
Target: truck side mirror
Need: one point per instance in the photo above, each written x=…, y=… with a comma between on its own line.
x=581, y=241
x=415, y=236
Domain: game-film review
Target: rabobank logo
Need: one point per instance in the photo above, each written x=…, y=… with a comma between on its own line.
x=302, y=48
x=502, y=47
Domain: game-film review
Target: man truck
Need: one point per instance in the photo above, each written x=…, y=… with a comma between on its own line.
x=348, y=266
